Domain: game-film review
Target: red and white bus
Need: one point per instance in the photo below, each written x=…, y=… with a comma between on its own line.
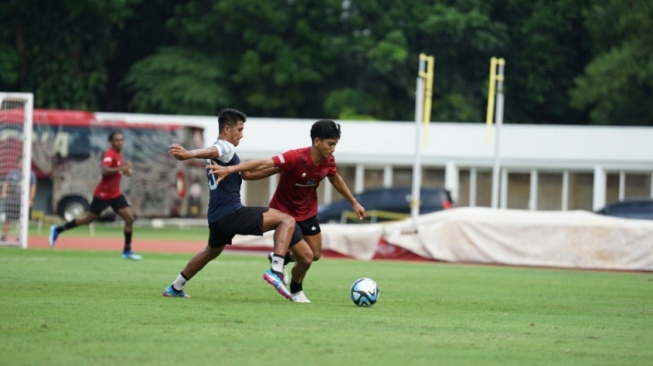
x=66, y=157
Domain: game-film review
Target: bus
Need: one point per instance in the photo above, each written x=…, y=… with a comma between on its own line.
x=67, y=148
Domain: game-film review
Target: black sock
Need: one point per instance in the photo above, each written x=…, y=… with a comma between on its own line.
x=69, y=225
x=295, y=287
x=128, y=242
x=287, y=259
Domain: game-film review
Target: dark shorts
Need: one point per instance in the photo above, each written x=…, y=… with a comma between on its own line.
x=12, y=208
x=98, y=205
x=245, y=221
x=310, y=226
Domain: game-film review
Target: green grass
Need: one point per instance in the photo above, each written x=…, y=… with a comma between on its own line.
x=114, y=230
x=87, y=307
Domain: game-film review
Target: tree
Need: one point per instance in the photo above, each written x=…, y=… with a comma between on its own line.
x=617, y=85
x=60, y=49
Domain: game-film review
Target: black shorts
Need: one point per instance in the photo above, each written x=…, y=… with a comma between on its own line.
x=245, y=221
x=310, y=226
x=98, y=205
x=12, y=208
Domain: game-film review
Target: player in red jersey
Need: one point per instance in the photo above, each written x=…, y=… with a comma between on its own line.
x=108, y=193
x=301, y=171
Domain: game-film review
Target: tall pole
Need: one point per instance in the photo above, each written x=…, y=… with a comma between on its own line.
x=423, y=93
x=496, y=77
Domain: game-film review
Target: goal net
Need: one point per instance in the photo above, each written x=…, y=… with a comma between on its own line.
x=16, y=111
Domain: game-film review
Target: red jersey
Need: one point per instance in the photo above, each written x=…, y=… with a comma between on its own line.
x=296, y=193
x=109, y=186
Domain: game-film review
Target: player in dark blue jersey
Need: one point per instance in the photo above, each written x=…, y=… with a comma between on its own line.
x=227, y=216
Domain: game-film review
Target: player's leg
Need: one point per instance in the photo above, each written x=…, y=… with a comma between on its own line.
x=97, y=205
x=284, y=236
x=194, y=265
x=218, y=239
x=121, y=207
x=315, y=243
x=302, y=252
x=5, y=229
x=283, y=226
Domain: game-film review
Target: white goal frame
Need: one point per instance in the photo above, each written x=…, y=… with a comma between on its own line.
x=28, y=107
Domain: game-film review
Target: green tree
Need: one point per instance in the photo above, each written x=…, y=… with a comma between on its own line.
x=617, y=85
x=60, y=49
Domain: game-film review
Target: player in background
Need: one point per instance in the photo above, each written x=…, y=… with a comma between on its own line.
x=301, y=171
x=11, y=192
x=227, y=216
x=108, y=193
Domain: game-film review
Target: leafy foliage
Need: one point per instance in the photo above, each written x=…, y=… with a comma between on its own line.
x=177, y=80
x=567, y=61
x=617, y=84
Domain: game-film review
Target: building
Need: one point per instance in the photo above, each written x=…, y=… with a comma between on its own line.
x=542, y=167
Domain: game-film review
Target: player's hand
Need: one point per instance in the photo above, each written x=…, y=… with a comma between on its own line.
x=178, y=152
x=128, y=172
x=220, y=171
x=360, y=210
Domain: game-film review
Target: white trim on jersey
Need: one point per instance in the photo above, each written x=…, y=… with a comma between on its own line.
x=226, y=150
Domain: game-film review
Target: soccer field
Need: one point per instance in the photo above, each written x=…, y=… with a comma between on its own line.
x=91, y=307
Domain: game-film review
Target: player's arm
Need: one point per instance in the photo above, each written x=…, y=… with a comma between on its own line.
x=259, y=174
x=109, y=170
x=180, y=153
x=340, y=186
x=252, y=165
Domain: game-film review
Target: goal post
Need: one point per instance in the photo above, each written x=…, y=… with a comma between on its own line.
x=16, y=113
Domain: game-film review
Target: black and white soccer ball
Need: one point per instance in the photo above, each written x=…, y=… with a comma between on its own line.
x=364, y=292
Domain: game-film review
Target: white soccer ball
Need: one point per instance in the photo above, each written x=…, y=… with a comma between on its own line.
x=364, y=292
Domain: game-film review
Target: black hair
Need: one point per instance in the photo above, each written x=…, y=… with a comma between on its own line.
x=230, y=117
x=325, y=129
x=113, y=134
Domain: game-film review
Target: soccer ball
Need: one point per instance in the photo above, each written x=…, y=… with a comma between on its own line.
x=364, y=292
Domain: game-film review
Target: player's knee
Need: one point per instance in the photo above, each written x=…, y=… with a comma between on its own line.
x=317, y=256
x=305, y=258
x=288, y=220
x=128, y=220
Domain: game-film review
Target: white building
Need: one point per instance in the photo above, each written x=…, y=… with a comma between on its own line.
x=543, y=167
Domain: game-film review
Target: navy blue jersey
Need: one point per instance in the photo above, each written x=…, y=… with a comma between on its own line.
x=224, y=196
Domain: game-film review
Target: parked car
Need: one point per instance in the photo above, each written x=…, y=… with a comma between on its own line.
x=632, y=208
x=384, y=204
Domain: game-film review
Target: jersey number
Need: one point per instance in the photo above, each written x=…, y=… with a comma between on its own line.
x=213, y=183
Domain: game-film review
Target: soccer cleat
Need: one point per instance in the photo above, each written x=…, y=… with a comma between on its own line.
x=273, y=279
x=54, y=234
x=131, y=255
x=286, y=278
x=171, y=292
x=299, y=297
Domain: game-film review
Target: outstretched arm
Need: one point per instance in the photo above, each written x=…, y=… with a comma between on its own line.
x=253, y=165
x=340, y=186
x=180, y=153
x=259, y=174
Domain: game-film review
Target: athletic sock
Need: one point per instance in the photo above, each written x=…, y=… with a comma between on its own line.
x=287, y=259
x=128, y=242
x=179, y=283
x=277, y=263
x=295, y=287
x=69, y=225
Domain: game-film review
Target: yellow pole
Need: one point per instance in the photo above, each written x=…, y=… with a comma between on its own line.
x=428, y=92
x=490, y=99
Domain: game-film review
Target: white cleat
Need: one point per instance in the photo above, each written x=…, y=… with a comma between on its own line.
x=299, y=297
